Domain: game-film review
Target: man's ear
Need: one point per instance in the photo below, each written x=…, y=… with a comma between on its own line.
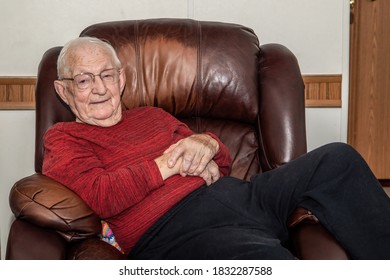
x=122, y=80
x=60, y=89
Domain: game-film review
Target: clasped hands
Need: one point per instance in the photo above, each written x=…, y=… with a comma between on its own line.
x=191, y=156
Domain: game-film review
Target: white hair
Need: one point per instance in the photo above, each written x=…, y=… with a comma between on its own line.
x=63, y=65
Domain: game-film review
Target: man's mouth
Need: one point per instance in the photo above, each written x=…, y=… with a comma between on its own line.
x=99, y=101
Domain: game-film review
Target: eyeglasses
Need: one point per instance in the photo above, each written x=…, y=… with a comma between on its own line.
x=85, y=80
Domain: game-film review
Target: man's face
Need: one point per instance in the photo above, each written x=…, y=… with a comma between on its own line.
x=98, y=103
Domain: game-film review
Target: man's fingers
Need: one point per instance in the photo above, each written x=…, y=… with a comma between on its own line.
x=210, y=174
x=202, y=157
x=188, y=162
x=206, y=176
x=213, y=170
x=198, y=167
x=170, y=149
x=176, y=152
x=196, y=151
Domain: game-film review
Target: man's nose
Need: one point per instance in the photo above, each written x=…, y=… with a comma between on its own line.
x=99, y=87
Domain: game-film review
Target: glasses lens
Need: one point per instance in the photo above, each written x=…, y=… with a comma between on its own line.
x=109, y=75
x=83, y=81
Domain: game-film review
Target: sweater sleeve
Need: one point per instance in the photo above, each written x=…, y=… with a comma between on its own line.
x=72, y=162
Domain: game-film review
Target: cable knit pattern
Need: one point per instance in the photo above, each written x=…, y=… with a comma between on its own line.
x=113, y=170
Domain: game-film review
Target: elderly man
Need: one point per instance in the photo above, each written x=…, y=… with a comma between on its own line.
x=166, y=193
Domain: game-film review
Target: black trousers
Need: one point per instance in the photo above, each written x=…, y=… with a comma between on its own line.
x=236, y=219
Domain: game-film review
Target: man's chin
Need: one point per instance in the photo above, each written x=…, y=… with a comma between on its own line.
x=105, y=120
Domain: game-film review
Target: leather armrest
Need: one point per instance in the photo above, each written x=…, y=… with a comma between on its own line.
x=311, y=240
x=94, y=249
x=46, y=203
x=27, y=241
x=52, y=222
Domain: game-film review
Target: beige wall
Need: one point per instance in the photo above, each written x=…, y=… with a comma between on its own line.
x=315, y=30
x=311, y=28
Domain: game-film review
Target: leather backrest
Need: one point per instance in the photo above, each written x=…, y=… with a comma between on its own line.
x=186, y=67
x=213, y=76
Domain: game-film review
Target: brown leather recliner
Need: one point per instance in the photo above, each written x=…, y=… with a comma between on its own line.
x=212, y=76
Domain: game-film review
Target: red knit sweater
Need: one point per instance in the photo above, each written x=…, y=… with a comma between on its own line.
x=113, y=170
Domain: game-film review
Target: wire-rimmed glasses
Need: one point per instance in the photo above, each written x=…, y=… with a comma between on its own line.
x=85, y=80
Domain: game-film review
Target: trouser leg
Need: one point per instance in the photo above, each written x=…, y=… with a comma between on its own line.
x=335, y=183
x=211, y=226
x=237, y=219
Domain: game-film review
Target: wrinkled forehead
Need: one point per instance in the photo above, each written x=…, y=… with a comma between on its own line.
x=88, y=57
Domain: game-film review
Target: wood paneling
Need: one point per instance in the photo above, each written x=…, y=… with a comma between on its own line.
x=17, y=92
x=369, y=84
x=320, y=91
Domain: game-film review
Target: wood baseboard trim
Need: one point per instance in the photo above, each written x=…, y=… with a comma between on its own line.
x=18, y=93
x=322, y=90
